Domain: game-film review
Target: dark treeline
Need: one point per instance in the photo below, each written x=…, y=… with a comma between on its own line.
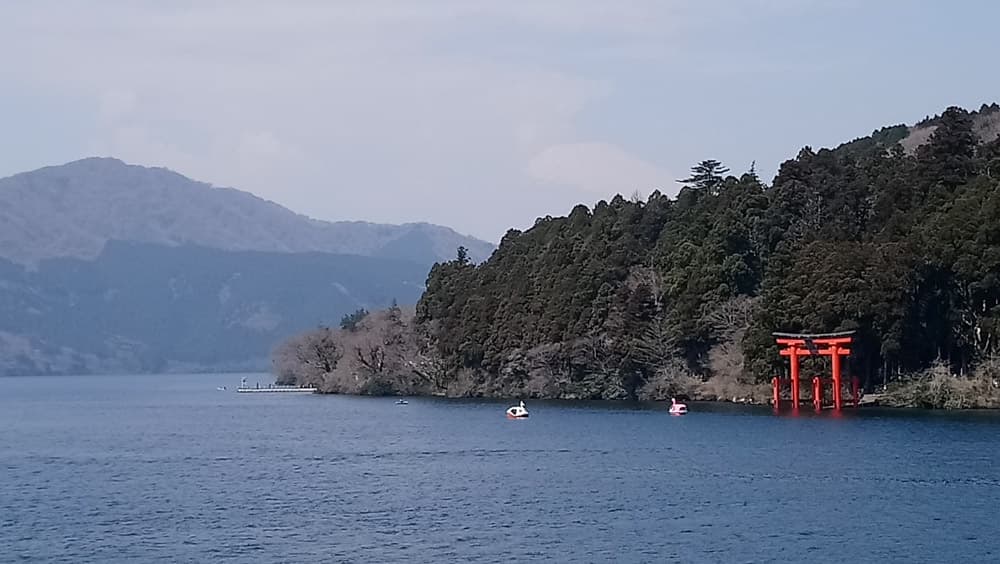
x=893, y=235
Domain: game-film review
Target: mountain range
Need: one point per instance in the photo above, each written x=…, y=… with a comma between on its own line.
x=72, y=210
x=111, y=267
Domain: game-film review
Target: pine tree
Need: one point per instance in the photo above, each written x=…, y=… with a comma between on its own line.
x=706, y=175
x=948, y=157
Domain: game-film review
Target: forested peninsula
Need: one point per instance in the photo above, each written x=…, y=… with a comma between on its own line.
x=895, y=236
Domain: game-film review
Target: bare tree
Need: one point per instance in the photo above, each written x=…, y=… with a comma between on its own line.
x=726, y=361
x=655, y=343
x=306, y=358
x=646, y=276
x=371, y=356
x=732, y=318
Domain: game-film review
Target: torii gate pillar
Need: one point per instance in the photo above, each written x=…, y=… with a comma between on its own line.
x=835, y=360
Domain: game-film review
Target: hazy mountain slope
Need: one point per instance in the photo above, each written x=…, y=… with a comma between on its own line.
x=74, y=209
x=141, y=307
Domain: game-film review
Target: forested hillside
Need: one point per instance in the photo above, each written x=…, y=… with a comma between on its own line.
x=896, y=239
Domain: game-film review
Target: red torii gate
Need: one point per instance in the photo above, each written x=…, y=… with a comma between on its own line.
x=802, y=344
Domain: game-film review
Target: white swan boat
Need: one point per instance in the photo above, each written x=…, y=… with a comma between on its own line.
x=677, y=408
x=517, y=411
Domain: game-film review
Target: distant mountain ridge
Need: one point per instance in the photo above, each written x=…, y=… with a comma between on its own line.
x=73, y=210
x=139, y=307
x=111, y=267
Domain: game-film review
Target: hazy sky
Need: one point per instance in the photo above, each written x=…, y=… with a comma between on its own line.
x=479, y=115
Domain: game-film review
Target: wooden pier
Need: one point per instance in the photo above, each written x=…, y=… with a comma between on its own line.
x=278, y=389
x=273, y=388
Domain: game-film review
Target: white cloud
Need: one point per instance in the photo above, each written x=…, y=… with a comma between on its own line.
x=600, y=169
x=389, y=111
x=116, y=105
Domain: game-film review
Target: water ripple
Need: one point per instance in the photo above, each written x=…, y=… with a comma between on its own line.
x=171, y=471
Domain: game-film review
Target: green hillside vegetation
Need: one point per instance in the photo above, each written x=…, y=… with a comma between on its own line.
x=645, y=299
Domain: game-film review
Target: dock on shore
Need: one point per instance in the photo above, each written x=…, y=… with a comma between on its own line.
x=276, y=389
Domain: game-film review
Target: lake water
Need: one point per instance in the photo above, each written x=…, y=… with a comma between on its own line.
x=169, y=469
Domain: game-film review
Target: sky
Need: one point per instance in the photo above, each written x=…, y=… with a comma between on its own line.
x=478, y=115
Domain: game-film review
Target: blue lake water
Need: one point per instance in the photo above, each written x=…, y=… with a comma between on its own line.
x=169, y=469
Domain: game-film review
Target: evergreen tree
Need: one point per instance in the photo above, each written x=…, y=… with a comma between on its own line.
x=350, y=321
x=948, y=157
x=706, y=175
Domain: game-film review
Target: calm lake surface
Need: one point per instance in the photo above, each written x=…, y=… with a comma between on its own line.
x=169, y=469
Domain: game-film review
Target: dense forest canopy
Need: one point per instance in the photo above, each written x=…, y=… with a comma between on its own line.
x=634, y=298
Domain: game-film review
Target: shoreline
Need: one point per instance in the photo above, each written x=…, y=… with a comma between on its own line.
x=874, y=399
x=879, y=401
